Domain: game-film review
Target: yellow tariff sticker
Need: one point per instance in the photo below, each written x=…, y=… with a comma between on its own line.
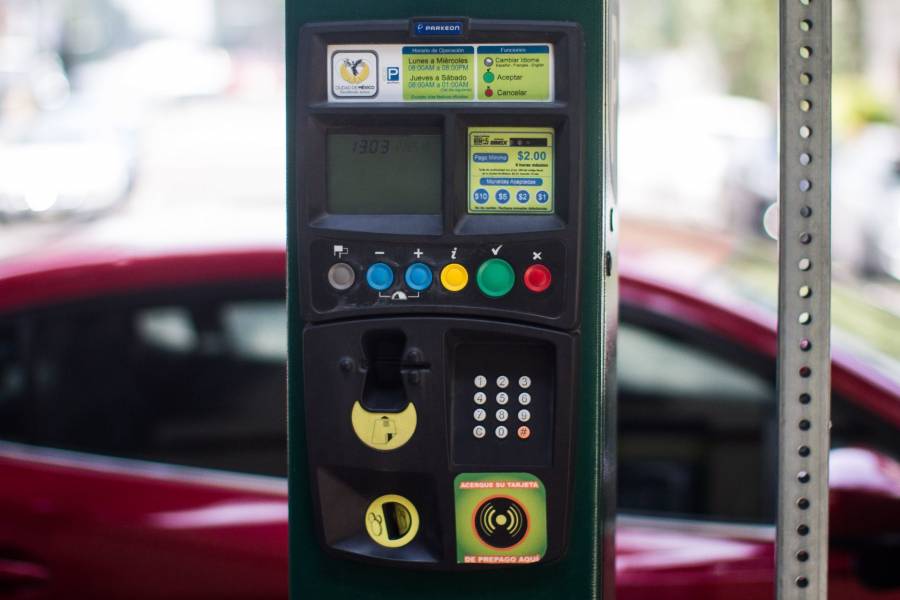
x=511, y=170
x=392, y=521
x=438, y=72
x=382, y=430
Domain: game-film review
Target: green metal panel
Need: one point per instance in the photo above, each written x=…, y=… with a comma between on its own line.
x=587, y=571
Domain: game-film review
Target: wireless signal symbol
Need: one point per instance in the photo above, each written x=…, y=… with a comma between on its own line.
x=501, y=522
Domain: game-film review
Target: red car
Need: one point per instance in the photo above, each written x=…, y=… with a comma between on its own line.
x=142, y=419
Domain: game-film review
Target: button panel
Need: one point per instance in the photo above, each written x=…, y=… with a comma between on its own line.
x=408, y=277
x=501, y=416
x=491, y=383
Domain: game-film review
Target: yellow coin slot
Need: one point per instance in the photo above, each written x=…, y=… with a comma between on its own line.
x=384, y=430
x=454, y=277
x=392, y=521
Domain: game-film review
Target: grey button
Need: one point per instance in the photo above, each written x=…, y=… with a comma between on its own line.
x=480, y=397
x=341, y=276
x=524, y=415
x=502, y=381
x=525, y=382
x=524, y=398
x=479, y=431
x=480, y=381
x=502, y=415
x=480, y=414
x=502, y=398
x=501, y=432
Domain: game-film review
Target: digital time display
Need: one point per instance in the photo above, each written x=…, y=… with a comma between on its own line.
x=384, y=174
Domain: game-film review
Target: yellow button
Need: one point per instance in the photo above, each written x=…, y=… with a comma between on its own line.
x=454, y=277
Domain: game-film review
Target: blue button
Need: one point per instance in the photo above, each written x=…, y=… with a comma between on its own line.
x=523, y=196
x=501, y=196
x=418, y=276
x=380, y=276
x=481, y=195
x=542, y=197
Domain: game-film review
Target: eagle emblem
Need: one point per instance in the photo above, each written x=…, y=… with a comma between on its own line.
x=354, y=71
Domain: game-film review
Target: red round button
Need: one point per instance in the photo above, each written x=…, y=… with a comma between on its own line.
x=537, y=278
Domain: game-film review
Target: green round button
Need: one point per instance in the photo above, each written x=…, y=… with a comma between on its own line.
x=496, y=277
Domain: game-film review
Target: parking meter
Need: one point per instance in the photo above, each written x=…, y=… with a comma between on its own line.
x=450, y=300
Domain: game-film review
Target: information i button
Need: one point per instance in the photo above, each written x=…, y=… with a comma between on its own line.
x=454, y=277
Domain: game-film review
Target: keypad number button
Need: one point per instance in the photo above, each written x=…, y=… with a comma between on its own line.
x=480, y=381
x=502, y=415
x=524, y=415
x=524, y=382
x=480, y=397
x=524, y=398
x=480, y=414
x=502, y=398
x=501, y=431
x=503, y=382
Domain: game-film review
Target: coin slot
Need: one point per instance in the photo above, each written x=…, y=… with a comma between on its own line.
x=397, y=520
x=392, y=521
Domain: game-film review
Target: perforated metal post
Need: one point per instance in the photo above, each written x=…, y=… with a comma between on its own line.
x=804, y=364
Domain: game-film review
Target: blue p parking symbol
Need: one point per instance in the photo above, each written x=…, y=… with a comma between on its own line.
x=393, y=74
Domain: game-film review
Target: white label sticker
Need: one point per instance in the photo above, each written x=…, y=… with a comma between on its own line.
x=354, y=74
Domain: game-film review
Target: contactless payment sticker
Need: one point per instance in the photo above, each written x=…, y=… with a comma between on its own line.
x=511, y=170
x=501, y=518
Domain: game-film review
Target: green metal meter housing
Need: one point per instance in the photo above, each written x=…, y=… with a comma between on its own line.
x=585, y=570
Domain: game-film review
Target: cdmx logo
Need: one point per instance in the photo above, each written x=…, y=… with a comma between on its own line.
x=354, y=70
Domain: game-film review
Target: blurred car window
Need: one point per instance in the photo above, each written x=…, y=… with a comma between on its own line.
x=197, y=382
x=13, y=377
x=196, y=377
x=257, y=331
x=696, y=425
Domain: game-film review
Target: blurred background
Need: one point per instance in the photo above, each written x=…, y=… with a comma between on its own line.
x=170, y=113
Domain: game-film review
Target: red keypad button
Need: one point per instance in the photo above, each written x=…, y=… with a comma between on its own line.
x=537, y=278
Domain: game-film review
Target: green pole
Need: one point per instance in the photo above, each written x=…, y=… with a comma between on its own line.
x=587, y=570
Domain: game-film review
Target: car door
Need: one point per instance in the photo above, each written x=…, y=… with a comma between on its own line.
x=143, y=448
x=697, y=444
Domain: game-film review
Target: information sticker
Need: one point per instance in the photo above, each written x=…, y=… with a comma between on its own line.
x=487, y=73
x=514, y=73
x=438, y=72
x=511, y=170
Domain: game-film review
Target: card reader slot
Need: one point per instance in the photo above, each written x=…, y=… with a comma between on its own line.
x=392, y=371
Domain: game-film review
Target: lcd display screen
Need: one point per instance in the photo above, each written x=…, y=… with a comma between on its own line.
x=384, y=174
